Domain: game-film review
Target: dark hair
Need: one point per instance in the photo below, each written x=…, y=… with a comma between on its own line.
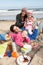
x=11, y=28
x=25, y=17
x=32, y=16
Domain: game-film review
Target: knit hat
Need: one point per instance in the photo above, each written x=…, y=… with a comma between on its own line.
x=24, y=10
x=29, y=13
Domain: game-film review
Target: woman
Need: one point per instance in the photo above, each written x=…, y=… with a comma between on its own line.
x=20, y=18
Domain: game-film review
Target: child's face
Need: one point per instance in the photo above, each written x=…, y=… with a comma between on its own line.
x=24, y=33
x=29, y=14
x=16, y=29
x=29, y=21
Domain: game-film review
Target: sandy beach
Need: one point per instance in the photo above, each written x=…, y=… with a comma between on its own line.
x=22, y=46
x=4, y=27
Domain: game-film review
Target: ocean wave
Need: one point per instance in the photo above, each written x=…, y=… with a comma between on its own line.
x=11, y=15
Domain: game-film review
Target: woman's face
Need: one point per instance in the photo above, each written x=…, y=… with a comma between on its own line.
x=16, y=29
x=23, y=13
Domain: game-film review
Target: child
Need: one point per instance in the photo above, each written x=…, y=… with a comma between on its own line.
x=32, y=30
x=29, y=23
x=20, y=38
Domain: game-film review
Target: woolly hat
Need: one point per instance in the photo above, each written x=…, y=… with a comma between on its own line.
x=24, y=10
x=29, y=13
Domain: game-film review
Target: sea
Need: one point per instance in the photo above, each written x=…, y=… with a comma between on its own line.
x=11, y=14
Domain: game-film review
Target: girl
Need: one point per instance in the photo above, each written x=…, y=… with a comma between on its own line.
x=29, y=23
x=32, y=30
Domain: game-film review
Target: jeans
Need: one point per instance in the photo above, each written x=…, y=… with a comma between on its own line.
x=22, y=28
x=2, y=36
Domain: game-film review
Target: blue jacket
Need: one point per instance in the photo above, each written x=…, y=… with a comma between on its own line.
x=34, y=35
x=2, y=36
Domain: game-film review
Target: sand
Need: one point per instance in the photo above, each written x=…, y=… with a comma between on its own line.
x=4, y=27
x=38, y=58
x=8, y=61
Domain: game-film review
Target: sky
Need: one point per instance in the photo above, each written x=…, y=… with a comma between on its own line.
x=19, y=4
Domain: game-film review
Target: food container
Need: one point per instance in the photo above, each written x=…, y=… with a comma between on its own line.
x=23, y=60
x=26, y=48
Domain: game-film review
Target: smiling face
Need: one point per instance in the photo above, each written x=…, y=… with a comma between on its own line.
x=24, y=33
x=16, y=29
x=24, y=11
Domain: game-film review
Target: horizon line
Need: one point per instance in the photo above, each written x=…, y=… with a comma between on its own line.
x=21, y=8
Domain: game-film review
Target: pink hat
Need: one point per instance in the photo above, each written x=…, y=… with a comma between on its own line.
x=29, y=13
x=24, y=10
